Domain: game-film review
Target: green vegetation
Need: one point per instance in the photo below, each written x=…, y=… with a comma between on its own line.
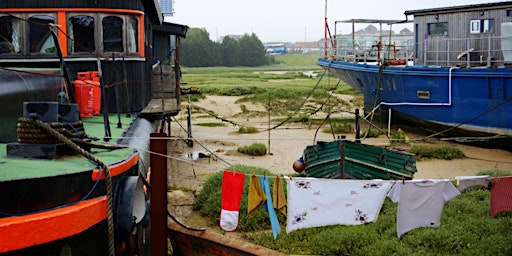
x=199, y=51
x=281, y=87
x=255, y=149
x=211, y=124
x=248, y=129
x=208, y=201
x=466, y=227
x=370, y=133
x=441, y=151
x=398, y=136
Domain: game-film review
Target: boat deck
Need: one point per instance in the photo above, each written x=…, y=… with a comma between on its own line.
x=21, y=168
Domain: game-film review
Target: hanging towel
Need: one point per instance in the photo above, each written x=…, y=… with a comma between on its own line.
x=465, y=182
x=501, y=195
x=420, y=202
x=278, y=197
x=274, y=223
x=232, y=189
x=256, y=195
x=321, y=202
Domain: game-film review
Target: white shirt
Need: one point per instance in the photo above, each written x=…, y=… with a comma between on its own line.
x=420, y=202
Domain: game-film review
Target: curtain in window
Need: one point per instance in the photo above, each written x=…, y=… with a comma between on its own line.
x=9, y=35
x=132, y=39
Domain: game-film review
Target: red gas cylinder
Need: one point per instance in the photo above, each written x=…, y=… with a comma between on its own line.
x=83, y=92
x=83, y=76
x=96, y=92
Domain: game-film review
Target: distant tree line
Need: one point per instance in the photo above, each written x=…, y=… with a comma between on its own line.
x=197, y=50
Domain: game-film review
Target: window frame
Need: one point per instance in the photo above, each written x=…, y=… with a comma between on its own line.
x=26, y=30
x=443, y=23
x=138, y=35
x=485, y=26
x=21, y=31
x=69, y=15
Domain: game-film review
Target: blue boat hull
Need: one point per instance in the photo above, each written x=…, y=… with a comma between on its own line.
x=476, y=100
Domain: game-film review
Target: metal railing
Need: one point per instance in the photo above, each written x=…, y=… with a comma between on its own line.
x=436, y=51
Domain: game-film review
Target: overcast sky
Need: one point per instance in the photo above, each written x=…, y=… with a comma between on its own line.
x=291, y=20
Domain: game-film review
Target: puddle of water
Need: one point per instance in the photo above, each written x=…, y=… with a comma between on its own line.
x=191, y=155
x=194, y=155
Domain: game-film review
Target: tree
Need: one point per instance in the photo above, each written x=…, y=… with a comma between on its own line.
x=198, y=50
x=252, y=51
x=230, y=52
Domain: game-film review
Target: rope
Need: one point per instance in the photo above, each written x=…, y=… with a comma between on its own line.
x=108, y=179
x=30, y=133
x=182, y=224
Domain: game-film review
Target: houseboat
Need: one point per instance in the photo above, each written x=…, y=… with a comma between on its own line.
x=452, y=75
x=83, y=85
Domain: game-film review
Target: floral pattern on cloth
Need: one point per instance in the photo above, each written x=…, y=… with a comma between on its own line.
x=298, y=218
x=316, y=202
x=361, y=217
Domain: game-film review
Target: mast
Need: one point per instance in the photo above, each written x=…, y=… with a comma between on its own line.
x=325, y=31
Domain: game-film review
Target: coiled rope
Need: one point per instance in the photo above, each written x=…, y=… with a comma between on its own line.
x=108, y=179
x=30, y=133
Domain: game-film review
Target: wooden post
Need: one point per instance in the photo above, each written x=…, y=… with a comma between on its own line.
x=158, y=163
x=341, y=147
x=358, y=127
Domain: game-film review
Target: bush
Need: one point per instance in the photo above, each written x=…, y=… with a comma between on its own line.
x=399, y=136
x=255, y=149
x=443, y=151
x=371, y=133
x=208, y=201
x=338, y=128
x=343, y=240
x=248, y=129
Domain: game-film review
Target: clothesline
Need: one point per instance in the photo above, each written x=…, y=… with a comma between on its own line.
x=313, y=202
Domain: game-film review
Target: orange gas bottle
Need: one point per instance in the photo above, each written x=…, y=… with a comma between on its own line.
x=83, y=92
x=96, y=92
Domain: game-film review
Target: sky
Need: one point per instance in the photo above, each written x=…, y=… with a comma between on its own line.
x=292, y=20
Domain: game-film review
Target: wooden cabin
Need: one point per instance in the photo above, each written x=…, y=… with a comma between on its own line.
x=468, y=35
x=127, y=40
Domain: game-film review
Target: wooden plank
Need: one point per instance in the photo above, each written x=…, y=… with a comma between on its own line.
x=170, y=107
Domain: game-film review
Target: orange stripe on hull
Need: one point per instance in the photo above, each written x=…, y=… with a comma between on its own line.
x=25, y=231
x=118, y=168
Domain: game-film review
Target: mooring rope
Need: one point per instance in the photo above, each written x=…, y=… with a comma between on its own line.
x=108, y=179
x=28, y=132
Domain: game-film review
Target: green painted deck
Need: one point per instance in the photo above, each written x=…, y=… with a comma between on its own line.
x=20, y=168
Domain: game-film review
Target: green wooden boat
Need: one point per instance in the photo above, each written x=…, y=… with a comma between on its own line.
x=351, y=160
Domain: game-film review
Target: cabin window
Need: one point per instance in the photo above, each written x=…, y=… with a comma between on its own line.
x=10, y=41
x=112, y=34
x=88, y=33
x=438, y=29
x=132, y=42
x=40, y=39
x=481, y=26
x=81, y=30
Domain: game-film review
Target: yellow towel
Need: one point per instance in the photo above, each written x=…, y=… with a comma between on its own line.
x=278, y=198
x=256, y=195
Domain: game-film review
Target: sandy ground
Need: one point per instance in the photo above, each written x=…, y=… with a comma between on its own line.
x=187, y=170
x=288, y=142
